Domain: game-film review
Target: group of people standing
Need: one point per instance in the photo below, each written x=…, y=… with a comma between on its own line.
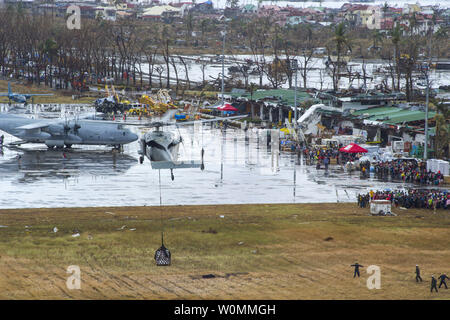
x=407, y=171
x=319, y=156
x=315, y=155
x=427, y=199
x=443, y=277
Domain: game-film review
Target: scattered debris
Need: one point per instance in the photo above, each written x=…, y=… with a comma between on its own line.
x=89, y=237
x=403, y=208
x=55, y=229
x=132, y=229
x=221, y=216
x=328, y=239
x=383, y=214
x=210, y=230
x=75, y=235
x=122, y=227
x=241, y=243
x=235, y=274
x=211, y=276
x=254, y=251
x=3, y=226
x=111, y=213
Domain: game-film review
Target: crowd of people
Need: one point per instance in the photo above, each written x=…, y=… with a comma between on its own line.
x=320, y=156
x=413, y=198
x=406, y=171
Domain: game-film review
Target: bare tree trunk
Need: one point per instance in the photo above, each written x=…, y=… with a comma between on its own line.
x=176, y=75
x=188, y=83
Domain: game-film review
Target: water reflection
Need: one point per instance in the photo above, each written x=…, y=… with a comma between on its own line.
x=240, y=167
x=29, y=166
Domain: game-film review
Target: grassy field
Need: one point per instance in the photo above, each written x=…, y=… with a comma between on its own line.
x=255, y=252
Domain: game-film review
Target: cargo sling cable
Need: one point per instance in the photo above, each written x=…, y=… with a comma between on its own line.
x=162, y=255
x=202, y=167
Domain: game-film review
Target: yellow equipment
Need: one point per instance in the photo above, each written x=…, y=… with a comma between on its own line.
x=161, y=105
x=123, y=101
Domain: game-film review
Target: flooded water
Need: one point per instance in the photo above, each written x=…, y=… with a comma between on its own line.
x=240, y=167
x=318, y=77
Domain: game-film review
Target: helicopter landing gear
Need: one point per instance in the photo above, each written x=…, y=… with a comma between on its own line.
x=141, y=159
x=118, y=148
x=171, y=175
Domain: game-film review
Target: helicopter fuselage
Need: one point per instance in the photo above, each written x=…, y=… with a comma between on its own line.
x=160, y=146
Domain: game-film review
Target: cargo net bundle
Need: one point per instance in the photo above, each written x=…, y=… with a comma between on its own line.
x=162, y=255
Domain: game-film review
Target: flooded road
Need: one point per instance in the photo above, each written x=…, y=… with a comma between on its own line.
x=240, y=167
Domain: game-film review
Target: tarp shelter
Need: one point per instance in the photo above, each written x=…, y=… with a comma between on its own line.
x=227, y=107
x=353, y=148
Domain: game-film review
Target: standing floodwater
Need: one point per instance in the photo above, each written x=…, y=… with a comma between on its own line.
x=240, y=167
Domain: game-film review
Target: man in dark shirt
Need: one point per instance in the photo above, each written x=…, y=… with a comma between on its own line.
x=433, y=284
x=443, y=277
x=418, y=277
x=356, y=265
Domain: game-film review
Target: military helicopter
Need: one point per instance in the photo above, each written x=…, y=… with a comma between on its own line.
x=161, y=147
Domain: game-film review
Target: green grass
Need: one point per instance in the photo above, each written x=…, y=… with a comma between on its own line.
x=282, y=241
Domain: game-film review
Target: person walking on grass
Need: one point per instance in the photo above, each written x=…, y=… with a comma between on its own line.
x=433, y=284
x=443, y=277
x=418, y=277
x=357, y=266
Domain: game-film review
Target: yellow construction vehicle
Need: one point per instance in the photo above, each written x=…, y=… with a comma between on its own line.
x=161, y=105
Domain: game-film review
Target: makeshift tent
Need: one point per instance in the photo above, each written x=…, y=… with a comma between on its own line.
x=353, y=148
x=227, y=107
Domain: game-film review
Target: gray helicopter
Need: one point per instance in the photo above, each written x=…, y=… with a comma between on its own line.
x=59, y=133
x=161, y=147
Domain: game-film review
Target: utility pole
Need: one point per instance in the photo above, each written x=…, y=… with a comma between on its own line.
x=425, y=149
x=224, y=32
x=294, y=67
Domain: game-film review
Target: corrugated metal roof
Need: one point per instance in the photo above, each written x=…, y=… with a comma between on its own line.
x=284, y=96
x=376, y=111
x=393, y=115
